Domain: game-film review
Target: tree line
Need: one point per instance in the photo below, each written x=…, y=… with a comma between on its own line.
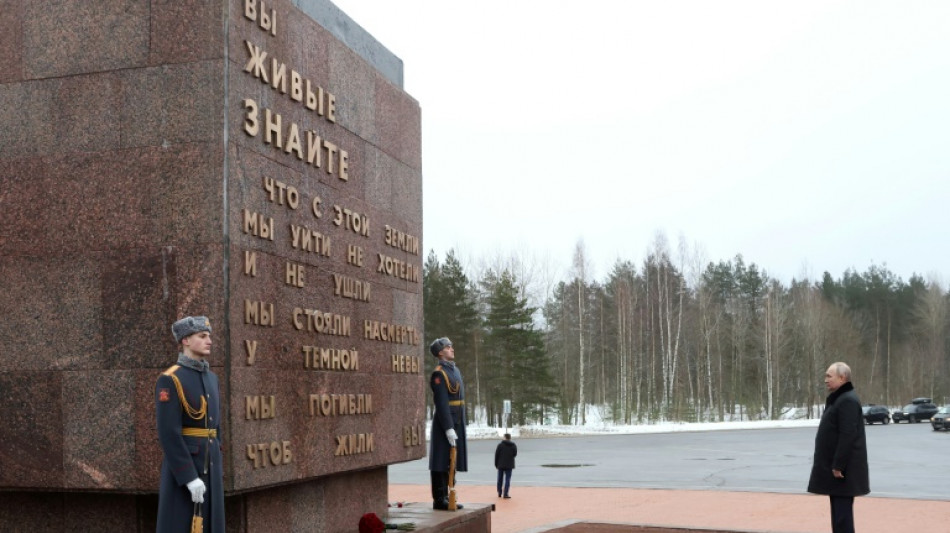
x=681, y=339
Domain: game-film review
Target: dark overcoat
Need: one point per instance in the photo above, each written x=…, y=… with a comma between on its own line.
x=448, y=393
x=185, y=456
x=505, y=455
x=840, y=444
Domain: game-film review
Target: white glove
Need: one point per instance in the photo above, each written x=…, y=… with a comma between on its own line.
x=450, y=434
x=197, y=488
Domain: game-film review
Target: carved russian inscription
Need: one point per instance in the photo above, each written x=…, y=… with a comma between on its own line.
x=317, y=358
x=294, y=125
x=274, y=453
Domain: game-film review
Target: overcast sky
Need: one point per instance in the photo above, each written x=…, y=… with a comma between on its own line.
x=809, y=136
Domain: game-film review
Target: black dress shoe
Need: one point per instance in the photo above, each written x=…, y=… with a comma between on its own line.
x=443, y=505
x=507, y=497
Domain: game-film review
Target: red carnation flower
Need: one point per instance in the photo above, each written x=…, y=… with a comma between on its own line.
x=370, y=523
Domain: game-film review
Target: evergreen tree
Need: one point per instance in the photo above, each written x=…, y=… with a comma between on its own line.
x=450, y=310
x=514, y=351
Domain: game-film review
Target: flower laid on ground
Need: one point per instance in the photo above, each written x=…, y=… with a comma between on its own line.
x=370, y=523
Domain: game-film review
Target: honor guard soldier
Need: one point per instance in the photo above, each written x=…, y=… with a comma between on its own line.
x=191, y=497
x=448, y=423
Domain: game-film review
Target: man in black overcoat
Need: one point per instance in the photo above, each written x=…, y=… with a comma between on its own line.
x=448, y=422
x=840, y=467
x=187, y=405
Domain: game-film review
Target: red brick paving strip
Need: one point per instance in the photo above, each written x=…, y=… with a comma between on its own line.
x=543, y=508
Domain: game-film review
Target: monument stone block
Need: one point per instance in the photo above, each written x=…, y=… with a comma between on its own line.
x=255, y=162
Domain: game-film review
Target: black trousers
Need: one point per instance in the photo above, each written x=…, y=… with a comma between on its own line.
x=440, y=486
x=842, y=514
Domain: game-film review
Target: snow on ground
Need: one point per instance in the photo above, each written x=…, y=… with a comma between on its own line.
x=595, y=425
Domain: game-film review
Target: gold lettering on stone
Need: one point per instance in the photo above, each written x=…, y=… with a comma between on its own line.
x=406, y=364
x=251, y=347
x=306, y=240
x=280, y=193
x=354, y=255
x=394, y=333
x=397, y=268
x=258, y=225
x=294, y=275
x=250, y=263
x=302, y=90
x=401, y=240
x=321, y=322
x=316, y=358
x=351, y=220
x=352, y=288
x=354, y=444
x=260, y=407
x=412, y=436
x=267, y=20
x=341, y=404
x=316, y=151
x=259, y=313
x=274, y=453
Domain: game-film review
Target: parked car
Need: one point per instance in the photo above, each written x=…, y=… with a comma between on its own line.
x=919, y=409
x=941, y=420
x=876, y=413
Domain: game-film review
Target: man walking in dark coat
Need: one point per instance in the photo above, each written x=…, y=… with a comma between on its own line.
x=840, y=467
x=448, y=422
x=187, y=407
x=505, y=455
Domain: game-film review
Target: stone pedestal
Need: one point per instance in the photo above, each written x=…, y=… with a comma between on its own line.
x=227, y=158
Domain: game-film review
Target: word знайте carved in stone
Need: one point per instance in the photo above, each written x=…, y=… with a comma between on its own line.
x=337, y=160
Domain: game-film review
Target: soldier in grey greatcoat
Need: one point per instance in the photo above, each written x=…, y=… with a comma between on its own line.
x=840, y=467
x=448, y=423
x=187, y=405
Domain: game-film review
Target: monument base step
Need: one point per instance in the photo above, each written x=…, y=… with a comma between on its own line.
x=474, y=518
